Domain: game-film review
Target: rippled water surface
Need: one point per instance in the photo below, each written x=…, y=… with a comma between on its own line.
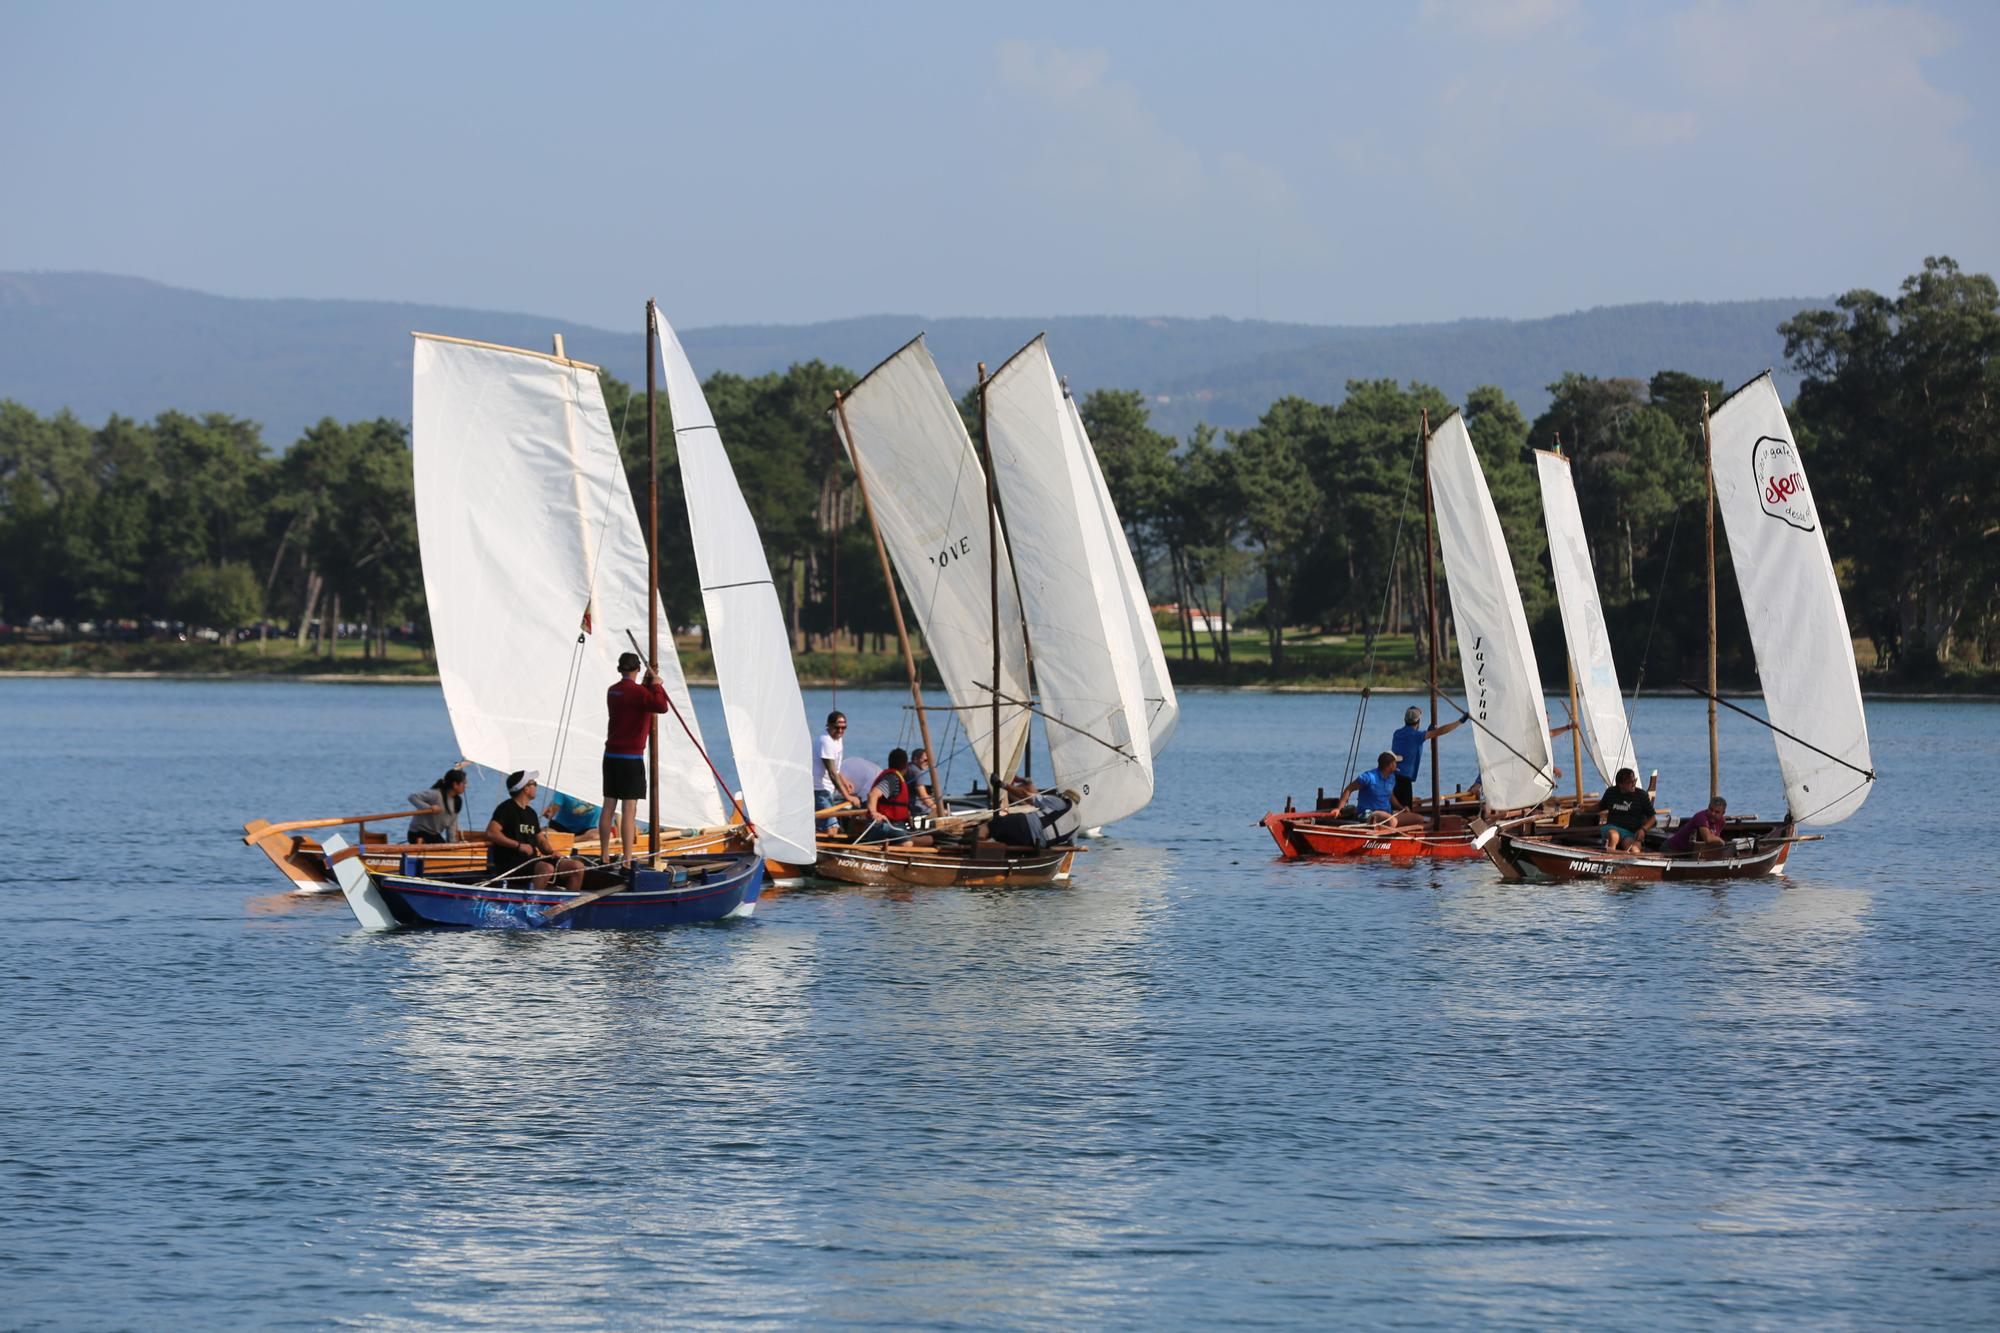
x=1196, y=1086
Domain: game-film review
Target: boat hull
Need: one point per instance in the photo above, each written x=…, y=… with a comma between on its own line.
x=1303, y=833
x=1546, y=856
x=989, y=864
x=709, y=889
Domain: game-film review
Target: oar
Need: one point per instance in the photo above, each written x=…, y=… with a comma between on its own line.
x=585, y=899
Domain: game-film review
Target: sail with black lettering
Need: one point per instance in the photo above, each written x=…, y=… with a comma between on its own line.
x=927, y=492
x=1073, y=592
x=1503, y=685
x=1798, y=625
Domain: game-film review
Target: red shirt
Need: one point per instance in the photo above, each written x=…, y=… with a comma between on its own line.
x=632, y=706
x=1684, y=835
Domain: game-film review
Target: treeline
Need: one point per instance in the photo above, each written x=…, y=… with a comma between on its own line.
x=1311, y=518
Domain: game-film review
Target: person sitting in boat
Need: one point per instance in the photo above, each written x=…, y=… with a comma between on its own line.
x=570, y=814
x=918, y=775
x=889, y=801
x=517, y=848
x=830, y=786
x=441, y=804
x=1627, y=812
x=631, y=703
x=1701, y=829
x=1374, y=792
x=1408, y=743
x=1054, y=821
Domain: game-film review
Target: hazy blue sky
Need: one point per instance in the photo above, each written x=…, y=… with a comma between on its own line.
x=1339, y=163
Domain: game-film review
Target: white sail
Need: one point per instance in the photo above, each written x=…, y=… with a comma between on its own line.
x=1503, y=686
x=928, y=494
x=746, y=627
x=1163, y=707
x=530, y=541
x=1805, y=655
x=1073, y=592
x=1605, y=731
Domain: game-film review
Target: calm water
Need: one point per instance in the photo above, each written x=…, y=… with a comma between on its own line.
x=1197, y=1086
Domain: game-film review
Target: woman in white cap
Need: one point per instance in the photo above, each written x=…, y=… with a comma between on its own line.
x=514, y=839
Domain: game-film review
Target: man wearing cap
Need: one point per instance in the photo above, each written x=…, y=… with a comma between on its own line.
x=632, y=704
x=1408, y=744
x=514, y=839
x=831, y=789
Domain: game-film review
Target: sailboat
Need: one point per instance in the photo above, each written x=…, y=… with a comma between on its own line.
x=932, y=509
x=1497, y=659
x=528, y=427
x=1805, y=662
x=534, y=563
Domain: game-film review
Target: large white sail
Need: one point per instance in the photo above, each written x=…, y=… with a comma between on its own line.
x=928, y=495
x=1605, y=731
x=746, y=627
x=1163, y=707
x=530, y=542
x=1805, y=655
x=1072, y=591
x=1503, y=686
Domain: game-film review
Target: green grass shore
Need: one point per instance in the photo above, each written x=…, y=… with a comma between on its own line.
x=1313, y=662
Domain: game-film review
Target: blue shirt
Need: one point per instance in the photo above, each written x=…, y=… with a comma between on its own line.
x=1408, y=743
x=571, y=815
x=1375, y=790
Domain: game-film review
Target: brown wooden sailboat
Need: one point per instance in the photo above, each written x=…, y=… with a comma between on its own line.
x=1805, y=660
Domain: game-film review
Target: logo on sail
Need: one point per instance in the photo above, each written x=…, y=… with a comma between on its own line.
x=1781, y=482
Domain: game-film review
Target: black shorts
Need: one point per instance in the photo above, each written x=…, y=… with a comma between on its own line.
x=1405, y=793
x=624, y=779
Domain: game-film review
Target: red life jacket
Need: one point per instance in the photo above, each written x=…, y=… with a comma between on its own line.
x=895, y=807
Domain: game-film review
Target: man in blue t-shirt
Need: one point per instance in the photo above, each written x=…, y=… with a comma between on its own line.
x=1408, y=743
x=1374, y=792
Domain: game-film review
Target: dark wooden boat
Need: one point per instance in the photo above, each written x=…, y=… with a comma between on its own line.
x=974, y=863
x=1536, y=852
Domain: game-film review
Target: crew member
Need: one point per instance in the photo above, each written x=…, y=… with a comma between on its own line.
x=514, y=840
x=889, y=801
x=1408, y=744
x=1628, y=813
x=631, y=703
x=1701, y=829
x=441, y=804
x=830, y=786
x=1374, y=792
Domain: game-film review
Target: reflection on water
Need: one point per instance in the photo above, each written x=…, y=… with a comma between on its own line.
x=1195, y=1086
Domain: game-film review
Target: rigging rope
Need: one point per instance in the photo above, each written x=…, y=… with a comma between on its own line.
x=1659, y=593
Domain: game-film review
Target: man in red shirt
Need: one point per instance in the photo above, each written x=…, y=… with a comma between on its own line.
x=632, y=704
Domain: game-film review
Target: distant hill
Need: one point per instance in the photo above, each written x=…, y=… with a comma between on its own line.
x=98, y=343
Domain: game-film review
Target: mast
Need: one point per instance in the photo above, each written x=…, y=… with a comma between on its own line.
x=1708, y=471
x=895, y=601
x=1431, y=614
x=652, y=573
x=993, y=572
x=1575, y=726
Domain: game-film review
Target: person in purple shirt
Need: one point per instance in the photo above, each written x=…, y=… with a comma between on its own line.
x=1702, y=828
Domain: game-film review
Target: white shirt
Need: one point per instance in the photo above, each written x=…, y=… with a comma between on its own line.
x=834, y=748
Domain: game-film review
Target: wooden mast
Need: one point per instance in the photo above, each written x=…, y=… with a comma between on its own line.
x=1431, y=616
x=895, y=601
x=1708, y=471
x=993, y=581
x=652, y=572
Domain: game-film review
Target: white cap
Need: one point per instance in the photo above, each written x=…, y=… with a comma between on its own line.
x=528, y=779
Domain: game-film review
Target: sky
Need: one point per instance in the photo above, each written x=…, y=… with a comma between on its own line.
x=1326, y=162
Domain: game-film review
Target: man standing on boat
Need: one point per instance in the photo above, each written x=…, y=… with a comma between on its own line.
x=632, y=704
x=514, y=840
x=1408, y=744
x=830, y=786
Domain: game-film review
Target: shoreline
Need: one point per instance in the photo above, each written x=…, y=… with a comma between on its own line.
x=1278, y=687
